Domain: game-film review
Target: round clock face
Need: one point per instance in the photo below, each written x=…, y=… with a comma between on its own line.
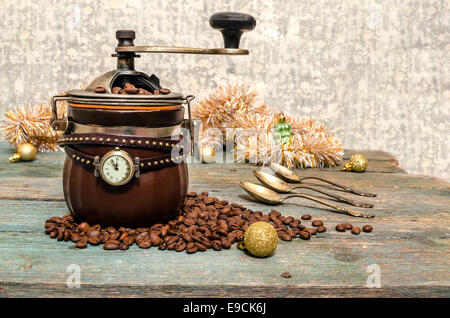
x=116, y=168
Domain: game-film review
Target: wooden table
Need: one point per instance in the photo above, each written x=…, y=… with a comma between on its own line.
x=410, y=241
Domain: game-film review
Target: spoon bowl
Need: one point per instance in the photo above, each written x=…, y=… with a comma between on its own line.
x=261, y=193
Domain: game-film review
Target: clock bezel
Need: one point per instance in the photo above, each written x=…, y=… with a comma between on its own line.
x=120, y=153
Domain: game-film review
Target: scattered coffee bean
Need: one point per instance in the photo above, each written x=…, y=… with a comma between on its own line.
x=304, y=235
x=356, y=230
x=348, y=226
x=367, y=228
x=286, y=275
x=311, y=230
x=341, y=228
x=306, y=217
x=317, y=223
x=321, y=229
x=82, y=243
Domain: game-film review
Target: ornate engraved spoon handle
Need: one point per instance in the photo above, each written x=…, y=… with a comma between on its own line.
x=336, y=207
x=347, y=189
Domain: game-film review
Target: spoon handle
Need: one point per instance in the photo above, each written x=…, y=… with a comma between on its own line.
x=337, y=197
x=346, y=189
x=336, y=207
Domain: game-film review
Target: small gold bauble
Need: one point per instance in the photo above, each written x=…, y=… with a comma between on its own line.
x=260, y=239
x=208, y=154
x=357, y=163
x=25, y=152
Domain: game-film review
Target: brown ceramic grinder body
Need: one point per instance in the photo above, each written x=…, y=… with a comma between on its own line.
x=155, y=197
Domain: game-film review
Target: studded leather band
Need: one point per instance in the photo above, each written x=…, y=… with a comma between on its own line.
x=161, y=144
x=145, y=164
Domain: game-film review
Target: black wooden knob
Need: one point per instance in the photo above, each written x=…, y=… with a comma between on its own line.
x=232, y=25
x=125, y=37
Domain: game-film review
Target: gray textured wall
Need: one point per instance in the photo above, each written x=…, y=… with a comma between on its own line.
x=376, y=72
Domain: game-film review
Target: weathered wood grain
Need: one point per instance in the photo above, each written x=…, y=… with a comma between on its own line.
x=410, y=242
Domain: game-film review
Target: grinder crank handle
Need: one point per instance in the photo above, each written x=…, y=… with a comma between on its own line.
x=231, y=24
x=58, y=124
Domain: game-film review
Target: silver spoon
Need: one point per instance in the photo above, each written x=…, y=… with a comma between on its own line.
x=276, y=184
x=268, y=196
x=291, y=176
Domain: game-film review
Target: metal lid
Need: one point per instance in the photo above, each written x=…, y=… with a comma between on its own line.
x=119, y=78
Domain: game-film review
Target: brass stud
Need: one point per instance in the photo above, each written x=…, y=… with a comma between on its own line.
x=139, y=142
x=132, y=141
x=162, y=161
x=116, y=140
x=167, y=160
x=73, y=156
x=78, y=158
x=160, y=143
x=167, y=144
x=88, y=162
x=149, y=164
x=108, y=139
x=82, y=160
x=71, y=139
x=154, y=143
x=142, y=165
x=147, y=142
x=155, y=163
x=124, y=141
x=100, y=139
x=93, y=138
x=75, y=139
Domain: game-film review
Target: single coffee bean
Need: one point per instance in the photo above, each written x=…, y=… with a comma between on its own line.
x=155, y=239
x=145, y=243
x=155, y=92
x=100, y=89
x=286, y=275
x=348, y=226
x=115, y=90
x=123, y=236
x=317, y=223
x=285, y=237
x=75, y=237
x=321, y=229
x=301, y=227
x=305, y=235
x=92, y=232
x=164, y=91
x=356, y=230
x=180, y=246
x=67, y=235
x=132, y=90
x=288, y=220
x=82, y=243
x=216, y=245
x=111, y=245
x=367, y=228
x=94, y=240
x=114, y=235
x=311, y=230
x=306, y=217
x=83, y=227
x=200, y=247
x=54, y=233
x=124, y=246
x=341, y=228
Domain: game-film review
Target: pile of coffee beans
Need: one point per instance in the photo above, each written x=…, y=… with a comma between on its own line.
x=204, y=223
x=129, y=88
x=353, y=229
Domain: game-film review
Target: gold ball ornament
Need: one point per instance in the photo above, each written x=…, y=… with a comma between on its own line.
x=357, y=163
x=25, y=152
x=260, y=239
x=208, y=154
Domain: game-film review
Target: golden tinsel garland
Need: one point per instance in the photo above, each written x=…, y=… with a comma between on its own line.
x=31, y=124
x=310, y=146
